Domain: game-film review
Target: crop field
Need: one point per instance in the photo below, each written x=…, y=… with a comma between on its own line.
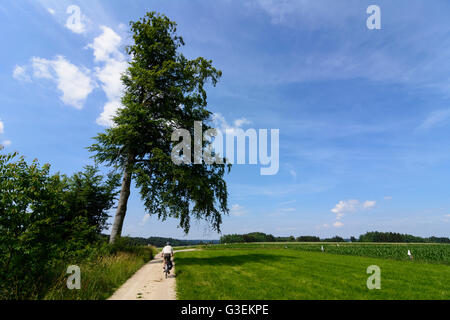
x=431, y=253
x=301, y=272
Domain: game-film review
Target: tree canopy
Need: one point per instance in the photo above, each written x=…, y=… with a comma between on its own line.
x=164, y=91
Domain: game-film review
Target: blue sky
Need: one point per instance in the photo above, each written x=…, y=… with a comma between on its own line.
x=364, y=115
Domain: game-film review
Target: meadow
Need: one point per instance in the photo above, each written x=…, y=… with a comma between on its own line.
x=274, y=271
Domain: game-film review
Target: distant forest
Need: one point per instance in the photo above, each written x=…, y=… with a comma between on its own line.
x=262, y=237
x=161, y=242
x=367, y=237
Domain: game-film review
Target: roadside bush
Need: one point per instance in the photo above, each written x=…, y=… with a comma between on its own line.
x=126, y=244
x=46, y=219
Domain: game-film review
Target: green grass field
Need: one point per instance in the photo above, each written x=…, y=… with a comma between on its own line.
x=431, y=253
x=273, y=272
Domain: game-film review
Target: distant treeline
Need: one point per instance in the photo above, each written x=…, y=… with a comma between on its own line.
x=161, y=242
x=397, y=237
x=367, y=237
x=262, y=237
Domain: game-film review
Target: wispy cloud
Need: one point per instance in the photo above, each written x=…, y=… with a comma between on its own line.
x=5, y=143
x=307, y=13
x=282, y=212
x=222, y=124
x=342, y=47
x=437, y=118
x=288, y=202
x=144, y=219
x=293, y=173
x=20, y=74
x=338, y=224
x=238, y=210
x=369, y=204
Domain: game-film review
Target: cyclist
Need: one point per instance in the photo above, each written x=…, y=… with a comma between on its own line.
x=167, y=254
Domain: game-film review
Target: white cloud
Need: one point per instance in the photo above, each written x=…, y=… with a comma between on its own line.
x=106, y=46
x=237, y=210
x=106, y=51
x=76, y=20
x=20, y=74
x=338, y=224
x=111, y=83
x=436, y=119
x=351, y=206
x=6, y=143
x=369, y=204
x=74, y=83
x=41, y=68
x=51, y=11
x=343, y=207
x=241, y=122
x=2, y=127
x=77, y=83
x=222, y=125
x=145, y=219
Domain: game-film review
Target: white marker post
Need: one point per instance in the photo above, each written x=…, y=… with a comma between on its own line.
x=322, y=249
x=410, y=255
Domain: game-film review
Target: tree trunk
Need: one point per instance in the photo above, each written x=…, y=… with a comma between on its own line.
x=116, y=231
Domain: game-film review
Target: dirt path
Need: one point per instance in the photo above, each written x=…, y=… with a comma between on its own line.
x=149, y=283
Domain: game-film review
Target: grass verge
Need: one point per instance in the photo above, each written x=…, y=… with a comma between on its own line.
x=285, y=274
x=101, y=276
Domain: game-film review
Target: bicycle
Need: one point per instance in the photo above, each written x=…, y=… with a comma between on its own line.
x=167, y=268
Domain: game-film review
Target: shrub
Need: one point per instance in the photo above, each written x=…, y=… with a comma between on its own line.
x=45, y=219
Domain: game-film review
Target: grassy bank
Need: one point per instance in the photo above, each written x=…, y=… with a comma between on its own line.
x=101, y=276
x=285, y=274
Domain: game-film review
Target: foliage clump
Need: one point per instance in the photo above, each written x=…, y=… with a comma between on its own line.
x=47, y=220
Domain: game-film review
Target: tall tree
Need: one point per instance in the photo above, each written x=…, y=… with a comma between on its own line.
x=164, y=91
